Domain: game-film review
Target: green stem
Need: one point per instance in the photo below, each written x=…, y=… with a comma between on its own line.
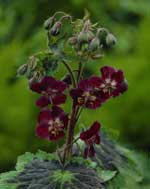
x=70, y=72
x=70, y=134
x=80, y=73
x=59, y=12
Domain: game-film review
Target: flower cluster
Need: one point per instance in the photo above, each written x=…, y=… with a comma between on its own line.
x=51, y=122
x=92, y=92
x=80, y=42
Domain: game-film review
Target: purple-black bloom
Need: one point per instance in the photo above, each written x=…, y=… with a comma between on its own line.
x=91, y=137
x=51, y=123
x=111, y=84
x=51, y=90
x=85, y=95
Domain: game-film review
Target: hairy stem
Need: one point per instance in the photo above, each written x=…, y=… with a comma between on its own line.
x=80, y=71
x=75, y=114
x=70, y=72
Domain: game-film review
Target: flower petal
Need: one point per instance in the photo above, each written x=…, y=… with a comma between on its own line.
x=60, y=86
x=36, y=87
x=97, y=139
x=85, y=85
x=107, y=71
x=42, y=101
x=96, y=81
x=122, y=87
x=56, y=137
x=118, y=76
x=44, y=116
x=85, y=153
x=58, y=99
x=42, y=132
x=95, y=127
x=57, y=111
x=93, y=104
x=74, y=93
x=91, y=151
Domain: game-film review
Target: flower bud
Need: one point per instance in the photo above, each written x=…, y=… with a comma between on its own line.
x=90, y=36
x=85, y=37
x=94, y=44
x=72, y=40
x=82, y=37
x=22, y=69
x=49, y=23
x=102, y=33
x=55, y=30
x=50, y=65
x=32, y=64
x=97, y=56
x=36, y=77
x=111, y=40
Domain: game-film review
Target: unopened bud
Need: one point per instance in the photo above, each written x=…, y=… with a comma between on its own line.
x=94, y=44
x=32, y=63
x=90, y=36
x=72, y=40
x=49, y=23
x=82, y=37
x=97, y=56
x=22, y=69
x=55, y=30
x=50, y=64
x=111, y=40
x=36, y=77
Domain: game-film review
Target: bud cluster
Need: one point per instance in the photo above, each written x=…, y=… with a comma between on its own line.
x=38, y=66
x=90, y=41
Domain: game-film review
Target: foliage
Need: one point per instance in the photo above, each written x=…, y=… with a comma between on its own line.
x=80, y=172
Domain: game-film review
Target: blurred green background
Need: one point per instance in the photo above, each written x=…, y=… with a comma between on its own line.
x=22, y=34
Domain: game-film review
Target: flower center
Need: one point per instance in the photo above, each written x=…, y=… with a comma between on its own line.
x=90, y=141
x=87, y=96
x=55, y=126
x=108, y=85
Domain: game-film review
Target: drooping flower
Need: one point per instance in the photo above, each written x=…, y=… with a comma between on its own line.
x=85, y=95
x=91, y=137
x=51, y=123
x=112, y=82
x=51, y=90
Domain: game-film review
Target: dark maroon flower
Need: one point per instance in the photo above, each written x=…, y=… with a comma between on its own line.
x=85, y=95
x=51, y=123
x=51, y=90
x=111, y=83
x=91, y=137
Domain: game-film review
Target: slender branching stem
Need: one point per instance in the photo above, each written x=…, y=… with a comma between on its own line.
x=70, y=72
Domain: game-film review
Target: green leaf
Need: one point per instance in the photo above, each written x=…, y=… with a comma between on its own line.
x=88, y=162
x=4, y=177
x=44, y=155
x=8, y=175
x=106, y=175
x=23, y=160
x=62, y=176
x=7, y=186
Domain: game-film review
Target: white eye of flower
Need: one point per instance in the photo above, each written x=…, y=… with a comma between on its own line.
x=50, y=122
x=102, y=85
x=57, y=120
x=108, y=80
x=113, y=83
